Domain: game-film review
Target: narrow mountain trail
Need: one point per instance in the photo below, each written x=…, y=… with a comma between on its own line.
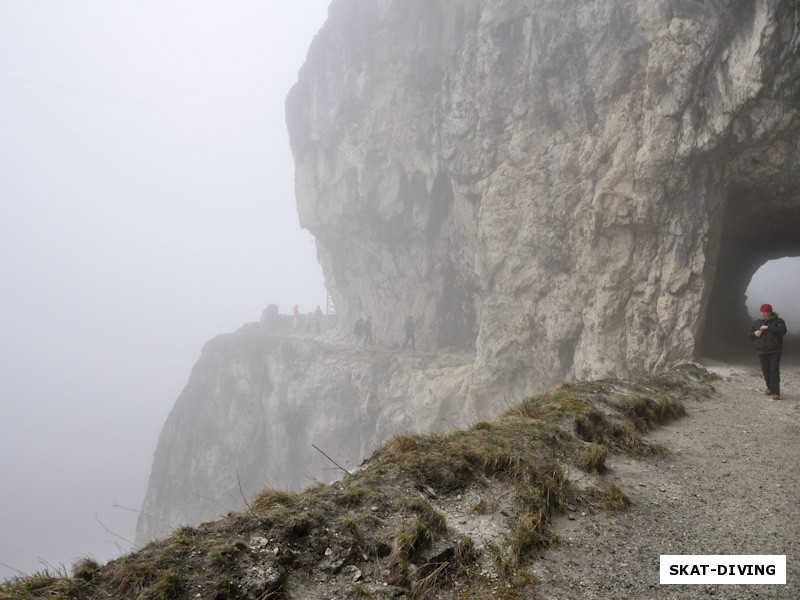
x=729, y=485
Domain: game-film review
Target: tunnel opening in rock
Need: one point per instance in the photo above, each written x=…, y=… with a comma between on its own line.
x=758, y=262
x=777, y=282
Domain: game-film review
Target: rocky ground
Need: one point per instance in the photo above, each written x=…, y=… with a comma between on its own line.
x=459, y=516
x=729, y=486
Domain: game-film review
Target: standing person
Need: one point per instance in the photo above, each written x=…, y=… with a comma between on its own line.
x=409, y=329
x=368, y=332
x=768, y=331
x=296, y=313
x=358, y=331
x=309, y=319
x=318, y=317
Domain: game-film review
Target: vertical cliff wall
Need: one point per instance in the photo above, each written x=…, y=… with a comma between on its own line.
x=571, y=188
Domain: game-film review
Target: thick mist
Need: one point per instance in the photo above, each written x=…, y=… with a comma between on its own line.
x=778, y=283
x=146, y=205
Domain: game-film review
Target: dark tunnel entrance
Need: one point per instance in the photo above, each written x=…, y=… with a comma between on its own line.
x=757, y=237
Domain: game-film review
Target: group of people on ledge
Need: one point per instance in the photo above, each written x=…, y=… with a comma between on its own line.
x=362, y=333
x=362, y=328
x=767, y=333
x=315, y=318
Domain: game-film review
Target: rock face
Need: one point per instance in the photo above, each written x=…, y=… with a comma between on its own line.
x=260, y=399
x=551, y=188
x=570, y=188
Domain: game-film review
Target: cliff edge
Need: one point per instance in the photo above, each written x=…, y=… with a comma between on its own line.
x=268, y=406
x=552, y=190
x=561, y=497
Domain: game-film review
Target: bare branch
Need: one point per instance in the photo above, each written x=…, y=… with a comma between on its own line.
x=127, y=541
x=250, y=508
x=2, y=564
x=340, y=467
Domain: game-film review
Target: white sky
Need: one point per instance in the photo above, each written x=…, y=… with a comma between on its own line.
x=146, y=205
x=777, y=283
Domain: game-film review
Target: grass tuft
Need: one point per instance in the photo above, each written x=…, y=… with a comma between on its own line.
x=134, y=579
x=605, y=495
x=270, y=498
x=85, y=569
x=592, y=458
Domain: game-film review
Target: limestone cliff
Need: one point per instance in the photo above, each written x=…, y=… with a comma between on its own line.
x=260, y=399
x=571, y=188
x=550, y=188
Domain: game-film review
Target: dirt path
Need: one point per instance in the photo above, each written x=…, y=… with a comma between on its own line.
x=731, y=485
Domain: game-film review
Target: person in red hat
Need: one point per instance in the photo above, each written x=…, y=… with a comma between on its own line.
x=768, y=331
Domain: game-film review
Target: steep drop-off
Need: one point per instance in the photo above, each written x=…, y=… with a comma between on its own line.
x=258, y=402
x=550, y=188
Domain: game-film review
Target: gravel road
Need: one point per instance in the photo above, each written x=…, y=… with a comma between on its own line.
x=730, y=485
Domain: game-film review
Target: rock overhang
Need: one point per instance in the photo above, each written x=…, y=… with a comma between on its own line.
x=613, y=163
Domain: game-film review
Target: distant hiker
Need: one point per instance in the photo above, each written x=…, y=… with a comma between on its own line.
x=368, y=332
x=358, y=331
x=409, y=328
x=768, y=331
x=296, y=312
x=309, y=319
x=318, y=317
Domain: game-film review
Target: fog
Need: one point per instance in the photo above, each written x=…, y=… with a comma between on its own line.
x=146, y=206
x=777, y=283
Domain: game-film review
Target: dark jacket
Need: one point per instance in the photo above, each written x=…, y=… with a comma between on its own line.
x=771, y=340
